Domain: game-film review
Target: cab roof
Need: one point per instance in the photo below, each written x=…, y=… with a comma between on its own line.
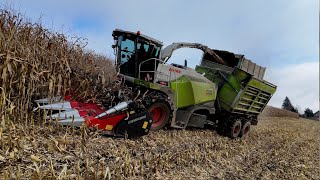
x=120, y=31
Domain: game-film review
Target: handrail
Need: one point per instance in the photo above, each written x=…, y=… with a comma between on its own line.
x=155, y=67
x=157, y=72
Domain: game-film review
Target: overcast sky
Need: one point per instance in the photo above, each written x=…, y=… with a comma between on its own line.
x=282, y=35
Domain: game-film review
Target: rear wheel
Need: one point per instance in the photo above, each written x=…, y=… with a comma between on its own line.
x=160, y=114
x=245, y=129
x=230, y=127
x=234, y=129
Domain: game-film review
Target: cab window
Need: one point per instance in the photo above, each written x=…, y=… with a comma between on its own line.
x=127, y=50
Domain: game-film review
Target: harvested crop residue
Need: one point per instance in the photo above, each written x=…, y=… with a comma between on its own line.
x=275, y=149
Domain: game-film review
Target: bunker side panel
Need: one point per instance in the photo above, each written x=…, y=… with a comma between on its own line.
x=244, y=94
x=189, y=91
x=230, y=90
x=212, y=65
x=212, y=73
x=262, y=85
x=252, y=100
x=252, y=68
x=232, y=60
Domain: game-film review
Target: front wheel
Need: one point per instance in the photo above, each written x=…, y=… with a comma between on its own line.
x=160, y=113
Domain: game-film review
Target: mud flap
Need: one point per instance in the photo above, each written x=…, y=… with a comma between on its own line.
x=138, y=124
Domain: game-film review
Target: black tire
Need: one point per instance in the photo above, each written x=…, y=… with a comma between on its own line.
x=233, y=129
x=229, y=127
x=245, y=129
x=160, y=113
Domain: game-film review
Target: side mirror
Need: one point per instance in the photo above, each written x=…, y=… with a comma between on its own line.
x=113, y=46
x=185, y=63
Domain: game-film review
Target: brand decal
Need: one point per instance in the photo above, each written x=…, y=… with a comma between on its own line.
x=174, y=70
x=209, y=92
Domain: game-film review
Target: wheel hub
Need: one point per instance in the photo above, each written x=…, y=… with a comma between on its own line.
x=237, y=129
x=158, y=116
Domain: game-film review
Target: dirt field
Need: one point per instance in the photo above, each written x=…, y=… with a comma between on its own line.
x=275, y=149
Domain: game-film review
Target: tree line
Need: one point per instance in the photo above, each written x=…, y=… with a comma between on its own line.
x=287, y=105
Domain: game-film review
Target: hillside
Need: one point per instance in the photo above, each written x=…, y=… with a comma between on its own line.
x=270, y=111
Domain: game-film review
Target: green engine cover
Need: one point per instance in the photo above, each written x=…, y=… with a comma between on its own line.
x=191, y=91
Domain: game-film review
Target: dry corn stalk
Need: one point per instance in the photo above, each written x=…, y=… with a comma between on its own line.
x=37, y=63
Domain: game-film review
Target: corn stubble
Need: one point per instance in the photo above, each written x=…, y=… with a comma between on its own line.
x=275, y=149
x=36, y=62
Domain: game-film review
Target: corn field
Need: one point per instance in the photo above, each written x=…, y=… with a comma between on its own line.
x=37, y=63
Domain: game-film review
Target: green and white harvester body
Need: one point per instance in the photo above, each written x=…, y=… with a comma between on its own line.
x=225, y=90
